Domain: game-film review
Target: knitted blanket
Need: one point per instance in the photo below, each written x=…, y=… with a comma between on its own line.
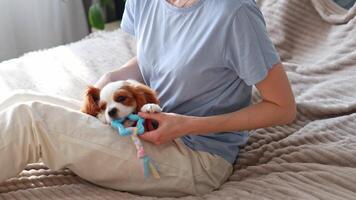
x=312, y=158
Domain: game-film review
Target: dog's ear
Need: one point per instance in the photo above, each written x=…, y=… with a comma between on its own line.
x=150, y=95
x=143, y=95
x=91, y=101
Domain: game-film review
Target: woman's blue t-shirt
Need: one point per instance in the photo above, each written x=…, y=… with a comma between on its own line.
x=202, y=60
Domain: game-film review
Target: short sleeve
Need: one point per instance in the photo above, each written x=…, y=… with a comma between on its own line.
x=128, y=18
x=249, y=50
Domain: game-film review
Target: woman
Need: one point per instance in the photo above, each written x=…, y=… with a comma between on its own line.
x=202, y=57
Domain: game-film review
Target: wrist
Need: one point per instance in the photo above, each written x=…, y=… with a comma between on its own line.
x=203, y=125
x=192, y=125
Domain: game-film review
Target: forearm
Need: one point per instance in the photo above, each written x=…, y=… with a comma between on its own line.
x=277, y=107
x=263, y=114
x=129, y=70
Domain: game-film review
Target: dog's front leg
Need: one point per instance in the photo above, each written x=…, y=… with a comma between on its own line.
x=151, y=108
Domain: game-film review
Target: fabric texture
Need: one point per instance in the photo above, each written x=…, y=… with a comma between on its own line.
x=39, y=126
x=202, y=60
x=312, y=158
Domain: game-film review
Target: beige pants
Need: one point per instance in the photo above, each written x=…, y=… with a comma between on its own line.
x=34, y=126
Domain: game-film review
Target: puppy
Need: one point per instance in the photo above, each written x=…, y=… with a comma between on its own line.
x=119, y=99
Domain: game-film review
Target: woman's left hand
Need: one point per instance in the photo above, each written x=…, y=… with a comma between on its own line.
x=171, y=126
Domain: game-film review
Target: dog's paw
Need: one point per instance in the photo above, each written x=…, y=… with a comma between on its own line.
x=151, y=108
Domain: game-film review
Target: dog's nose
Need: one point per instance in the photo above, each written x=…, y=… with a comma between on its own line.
x=112, y=112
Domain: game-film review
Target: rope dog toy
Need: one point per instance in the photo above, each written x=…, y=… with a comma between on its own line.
x=148, y=167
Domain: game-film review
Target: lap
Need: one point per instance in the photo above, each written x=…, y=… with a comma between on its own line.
x=96, y=152
x=182, y=170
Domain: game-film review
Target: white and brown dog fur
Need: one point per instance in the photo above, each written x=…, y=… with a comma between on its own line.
x=119, y=99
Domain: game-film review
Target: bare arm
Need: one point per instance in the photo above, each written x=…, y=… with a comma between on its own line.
x=277, y=107
x=129, y=70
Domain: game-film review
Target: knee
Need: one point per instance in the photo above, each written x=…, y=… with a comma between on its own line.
x=27, y=110
x=27, y=106
x=20, y=95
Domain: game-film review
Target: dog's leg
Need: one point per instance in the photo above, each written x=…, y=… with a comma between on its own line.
x=151, y=108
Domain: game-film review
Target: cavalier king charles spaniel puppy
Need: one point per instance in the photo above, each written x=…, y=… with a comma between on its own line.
x=119, y=99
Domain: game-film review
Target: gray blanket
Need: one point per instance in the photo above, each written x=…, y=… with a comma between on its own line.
x=312, y=158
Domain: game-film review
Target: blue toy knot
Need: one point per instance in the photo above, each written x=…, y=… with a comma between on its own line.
x=123, y=131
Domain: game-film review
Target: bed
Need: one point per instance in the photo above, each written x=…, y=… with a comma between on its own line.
x=312, y=158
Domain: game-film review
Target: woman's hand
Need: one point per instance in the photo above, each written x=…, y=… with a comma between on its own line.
x=171, y=126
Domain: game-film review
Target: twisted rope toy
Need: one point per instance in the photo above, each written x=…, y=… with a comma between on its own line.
x=148, y=167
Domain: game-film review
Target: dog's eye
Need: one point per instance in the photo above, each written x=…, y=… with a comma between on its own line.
x=120, y=98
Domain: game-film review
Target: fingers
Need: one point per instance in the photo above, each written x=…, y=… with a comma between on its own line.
x=151, y=136
x=149, y=125
x=156, y=136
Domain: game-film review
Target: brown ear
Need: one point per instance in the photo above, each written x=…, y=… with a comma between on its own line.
x=91, y=101
x=143, y=95
x=150, y=95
